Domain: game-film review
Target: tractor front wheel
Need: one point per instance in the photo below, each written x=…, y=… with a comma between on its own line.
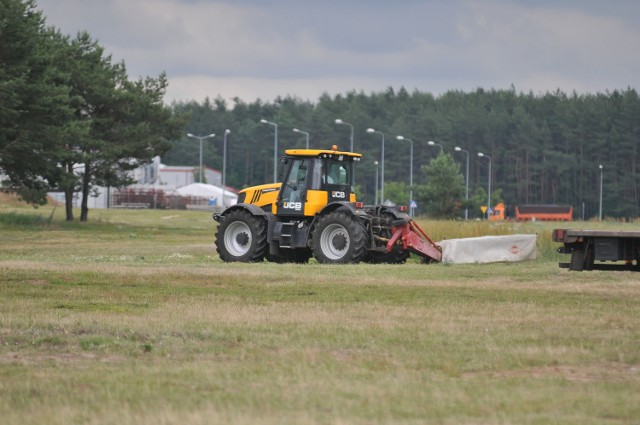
x=242, y=237
x=339, y=238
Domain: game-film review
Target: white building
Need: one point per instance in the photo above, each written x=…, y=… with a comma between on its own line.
x=167, y=178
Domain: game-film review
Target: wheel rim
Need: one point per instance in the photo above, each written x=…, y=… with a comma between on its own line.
x=334, y=241
x=237, y=239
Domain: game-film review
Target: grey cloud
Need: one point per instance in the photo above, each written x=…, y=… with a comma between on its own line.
x=432, y=45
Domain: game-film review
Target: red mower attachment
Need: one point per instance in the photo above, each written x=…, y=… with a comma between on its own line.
x=415, y=239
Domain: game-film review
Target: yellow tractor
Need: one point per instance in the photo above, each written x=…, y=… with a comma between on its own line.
x=314, y=213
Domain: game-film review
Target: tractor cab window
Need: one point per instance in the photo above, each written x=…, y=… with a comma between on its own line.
x=329, y=172
x=337, y=173
x=296, y=184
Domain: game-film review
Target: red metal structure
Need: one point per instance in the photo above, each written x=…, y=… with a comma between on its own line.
x=415, y=240
x=544, y=213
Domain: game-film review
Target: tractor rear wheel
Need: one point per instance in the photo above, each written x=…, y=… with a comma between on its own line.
x=339, y=238
x=242, y=237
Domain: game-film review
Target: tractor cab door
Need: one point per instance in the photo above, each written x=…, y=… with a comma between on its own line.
x=294, y=187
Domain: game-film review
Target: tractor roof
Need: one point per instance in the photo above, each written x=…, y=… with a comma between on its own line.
x=320, y=152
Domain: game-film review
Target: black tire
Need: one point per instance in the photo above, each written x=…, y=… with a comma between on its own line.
x=577, y=260
x=589, y=259
x=339, y=238
x=242, y=237
x=298, y=255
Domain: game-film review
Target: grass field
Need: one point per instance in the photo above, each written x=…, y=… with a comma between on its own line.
x=132, y=319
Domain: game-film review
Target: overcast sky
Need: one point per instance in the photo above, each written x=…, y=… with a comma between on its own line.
x=259, y=49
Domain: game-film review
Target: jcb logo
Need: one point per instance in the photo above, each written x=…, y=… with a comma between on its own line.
x=336, y=194
x=292, y=206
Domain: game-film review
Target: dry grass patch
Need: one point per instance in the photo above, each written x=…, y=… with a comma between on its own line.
x=142, y=323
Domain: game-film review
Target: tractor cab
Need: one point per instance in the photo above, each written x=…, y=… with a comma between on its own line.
x=313, y=179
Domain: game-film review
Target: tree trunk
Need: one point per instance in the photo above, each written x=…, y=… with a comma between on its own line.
x=84, y=210
x=68, y=202
x=68, y=196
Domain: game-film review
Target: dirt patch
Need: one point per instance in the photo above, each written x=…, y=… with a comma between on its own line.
x=12, y=200
x=59, y=358
x=609, y=372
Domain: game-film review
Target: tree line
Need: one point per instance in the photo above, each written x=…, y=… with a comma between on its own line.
x=543, y=148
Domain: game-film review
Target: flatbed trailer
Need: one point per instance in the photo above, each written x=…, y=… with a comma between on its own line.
x=599, y=249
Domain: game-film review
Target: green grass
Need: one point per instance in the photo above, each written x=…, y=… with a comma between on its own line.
x=132, y=318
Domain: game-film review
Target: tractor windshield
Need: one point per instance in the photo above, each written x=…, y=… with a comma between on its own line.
x=296, y=185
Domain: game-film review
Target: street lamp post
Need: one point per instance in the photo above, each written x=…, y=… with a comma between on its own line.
x=410, y=173
x=601, y=178
x=466, y=178
x=432, y=143
x=376, y=191
x=481, y=155
x=201, y=138
x=340, y=122
x=295, y=130
x=275, y=148
x=371, y=130
x=224, y=164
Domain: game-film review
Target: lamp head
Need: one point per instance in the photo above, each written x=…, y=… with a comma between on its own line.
x=370, y=130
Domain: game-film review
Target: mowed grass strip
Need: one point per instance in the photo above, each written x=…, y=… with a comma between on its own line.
x=158, y=330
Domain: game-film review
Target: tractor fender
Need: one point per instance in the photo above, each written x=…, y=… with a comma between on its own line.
x=398, y=215
x=252, y=209
x=334, y=206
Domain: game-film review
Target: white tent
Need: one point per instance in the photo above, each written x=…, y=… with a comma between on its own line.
x=213, y=193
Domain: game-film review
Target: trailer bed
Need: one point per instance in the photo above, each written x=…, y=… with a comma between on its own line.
x=599, y=249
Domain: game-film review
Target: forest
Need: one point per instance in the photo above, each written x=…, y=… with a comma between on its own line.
x=544, y=148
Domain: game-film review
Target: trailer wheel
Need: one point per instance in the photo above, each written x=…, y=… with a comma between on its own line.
x=242, y=237
x=339, y=239
x=577, y=260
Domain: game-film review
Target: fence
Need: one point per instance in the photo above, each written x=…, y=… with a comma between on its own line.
x=156, y=199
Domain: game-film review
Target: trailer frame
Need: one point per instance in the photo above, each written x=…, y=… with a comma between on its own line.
x=599, y=249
